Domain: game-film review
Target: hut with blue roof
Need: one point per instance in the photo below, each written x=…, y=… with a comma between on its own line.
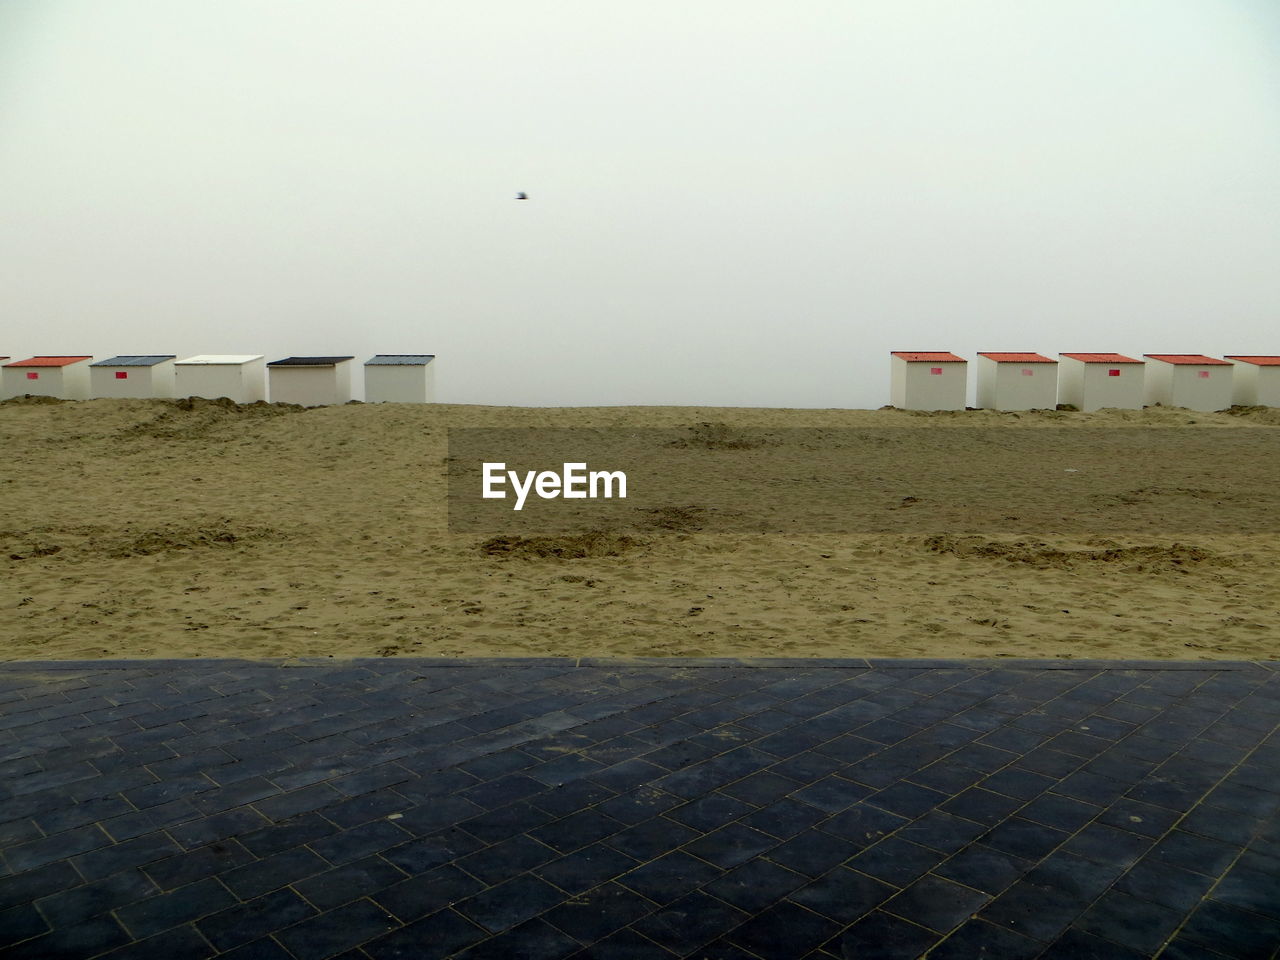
x=400, y=378
x=146, y=376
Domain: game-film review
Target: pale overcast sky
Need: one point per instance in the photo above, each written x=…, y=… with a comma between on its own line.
x=739, y=202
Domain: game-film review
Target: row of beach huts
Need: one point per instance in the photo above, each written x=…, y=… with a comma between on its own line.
x=310, y=381
x=938, y=380
x=919, y=380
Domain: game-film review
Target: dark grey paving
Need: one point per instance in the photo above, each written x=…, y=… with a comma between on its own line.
x=320, y=809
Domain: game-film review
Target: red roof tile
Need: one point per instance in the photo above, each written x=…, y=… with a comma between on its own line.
x=1194, y=359
x=48, y=362
x=1259, y=361
x=1100, y=357
x=1016, y=357
x=935, y=356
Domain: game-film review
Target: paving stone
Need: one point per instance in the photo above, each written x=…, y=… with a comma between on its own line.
x=129, y=853
x=585, y=868
x=60, y=846
x=843, y=895
x=690, y=922
x=670, y=876
x=273, y=872
x=941, y=831
x=935, y=903
x=896, y=860
x=812, y=852
x=1193, y=852
x=984, y=868
x=20, y=923
x=1025, y=838
x=44, y=880
x=197, y=864
x=368, y=838
x=256, y=918
x=785, y=929
x=92, y=899
x=434, y=937
x=1138, y=924
x=651, y=838
x=337, y=930
x=978, y=938
x=145, y=918
x=427, y=853
x=535, y=939
x=599, y=912
x=883, y=935
x=511, y=902
x=182, y=942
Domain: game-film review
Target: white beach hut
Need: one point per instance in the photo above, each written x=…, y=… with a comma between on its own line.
x=1189, y=380
x=1017, y=381
x=239, y=377
x=310, y=381
x=132, y=376
x=927, y=380
x=1097, y=381
x=63, y=377
x=400, y=378
x=1256, y=381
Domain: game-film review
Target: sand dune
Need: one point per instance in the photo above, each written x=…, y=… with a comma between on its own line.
x=198, y=528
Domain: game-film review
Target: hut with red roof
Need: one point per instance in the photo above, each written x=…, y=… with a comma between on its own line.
x=1017, y=381
x=927, y=380
x=66, y=378
x=1255, y=382
x=1097, y=381
x=1189, y=380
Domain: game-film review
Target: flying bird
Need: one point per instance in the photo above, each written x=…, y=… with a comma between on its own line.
x=522, y=195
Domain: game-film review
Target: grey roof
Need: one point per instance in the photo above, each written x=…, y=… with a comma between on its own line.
x=130, y=361
x=308, y=361
x=400, y=360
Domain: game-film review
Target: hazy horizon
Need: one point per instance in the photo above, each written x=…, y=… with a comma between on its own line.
x=729, y=204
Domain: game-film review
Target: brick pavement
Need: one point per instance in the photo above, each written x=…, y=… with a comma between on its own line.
x=376, y=809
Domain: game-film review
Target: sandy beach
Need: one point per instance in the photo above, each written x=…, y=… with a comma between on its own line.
x=203, y=529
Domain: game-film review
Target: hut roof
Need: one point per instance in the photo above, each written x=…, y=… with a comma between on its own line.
x=149, y=360
x=400, y=360
x=1017, y=358
x=928, y=356
x=1100, y=357
x=47, y=362
x=1193, y=359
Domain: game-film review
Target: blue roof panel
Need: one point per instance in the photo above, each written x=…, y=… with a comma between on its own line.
x=400, y=360
x=130, y=361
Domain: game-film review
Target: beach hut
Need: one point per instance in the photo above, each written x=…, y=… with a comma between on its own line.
x=239, y=377
x=310, y=381
x=1095, y=381
x=1189, y=380
x=64, y=377
x=400, y=378
x=1256, y=381
x=1017, y=381
x=132, y=376
x=927, y=380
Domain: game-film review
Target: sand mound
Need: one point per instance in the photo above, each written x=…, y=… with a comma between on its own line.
x=596, y=543
x=28, y=400
x=193, y=418
x=1144, y=558
x=674, y=519
x=173, y=536
x=79, y=542
x=718, y=436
